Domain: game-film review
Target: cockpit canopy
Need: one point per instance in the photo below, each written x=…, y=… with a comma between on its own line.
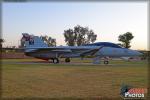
x=106, y=44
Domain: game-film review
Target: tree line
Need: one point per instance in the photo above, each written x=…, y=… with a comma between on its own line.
x=83, y=35
x=80, y=35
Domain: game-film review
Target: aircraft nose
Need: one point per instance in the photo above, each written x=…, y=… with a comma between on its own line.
x=136, y=53
x=139, y=53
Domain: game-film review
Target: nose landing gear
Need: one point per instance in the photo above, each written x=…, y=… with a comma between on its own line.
x=106, y=62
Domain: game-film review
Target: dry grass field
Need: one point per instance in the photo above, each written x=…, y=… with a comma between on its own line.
x=31, y=78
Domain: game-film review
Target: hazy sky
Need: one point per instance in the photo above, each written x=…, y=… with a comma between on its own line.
x=107, y=19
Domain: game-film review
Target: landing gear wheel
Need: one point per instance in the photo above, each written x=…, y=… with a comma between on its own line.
x=67, y=60
x=106, y=62
x=55, y=60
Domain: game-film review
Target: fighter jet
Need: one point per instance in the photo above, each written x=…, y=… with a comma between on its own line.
x=35, y=47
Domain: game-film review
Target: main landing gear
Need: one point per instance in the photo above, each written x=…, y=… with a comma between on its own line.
x=67, y=60
x=106, y=60
x=55, y=60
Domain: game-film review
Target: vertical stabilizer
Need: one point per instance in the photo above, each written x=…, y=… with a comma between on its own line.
x=31, y=41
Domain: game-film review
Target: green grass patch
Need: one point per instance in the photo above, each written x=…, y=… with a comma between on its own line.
x=69, y=80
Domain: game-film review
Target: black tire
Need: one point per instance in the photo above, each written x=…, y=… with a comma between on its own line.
x=67, y=60
x=106, y=62
x=55, y=60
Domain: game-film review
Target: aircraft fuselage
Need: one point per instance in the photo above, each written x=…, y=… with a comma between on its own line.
x=104, y=52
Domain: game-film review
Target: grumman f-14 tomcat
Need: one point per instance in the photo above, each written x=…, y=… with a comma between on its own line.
x=35, y=47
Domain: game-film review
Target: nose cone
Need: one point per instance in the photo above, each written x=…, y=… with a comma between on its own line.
x=135, y=53
x=139, y=53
